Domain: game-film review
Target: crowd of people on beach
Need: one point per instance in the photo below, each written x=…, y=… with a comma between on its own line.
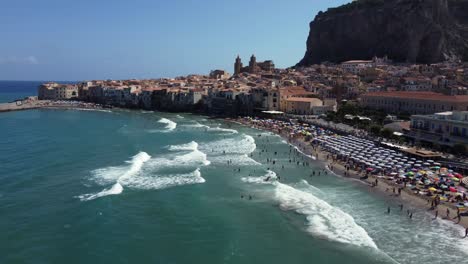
x=354, y=156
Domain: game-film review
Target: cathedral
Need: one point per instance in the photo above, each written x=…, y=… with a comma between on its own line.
x=254, y=66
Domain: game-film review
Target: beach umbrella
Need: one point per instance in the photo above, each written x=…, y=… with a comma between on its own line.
x=370, y=169
x=455, y=179
x=451, y=189
x=432, y=189
x=464, y=181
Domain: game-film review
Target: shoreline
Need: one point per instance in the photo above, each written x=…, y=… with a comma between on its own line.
x=383, y=188
x=46, y=104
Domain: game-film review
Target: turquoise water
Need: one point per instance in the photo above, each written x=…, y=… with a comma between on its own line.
x=144, y=187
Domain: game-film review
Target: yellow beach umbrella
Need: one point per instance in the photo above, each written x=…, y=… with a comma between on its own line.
x=432, y=189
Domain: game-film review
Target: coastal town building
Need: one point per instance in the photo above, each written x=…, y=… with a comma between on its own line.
x=414, y=102
x=446, y=128
x=254, y=66
x=258, y=86
x=220, y=74
x=56, y=91
x=301, y=106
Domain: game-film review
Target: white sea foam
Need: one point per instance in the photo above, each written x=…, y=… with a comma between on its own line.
x=186, y=156
x=270, y=175
x=170, y=125
x=196, y=125
x=189, y=146
x=244, y=145
x=300, y=151
x=157, y=182
x=147, y=112
x=323, y=219
x=115, y=189
x=179, y=116
x=119, y=174
x=223, y=130
x=94, y=110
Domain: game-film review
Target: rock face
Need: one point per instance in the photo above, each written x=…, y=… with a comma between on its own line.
x=423, y=31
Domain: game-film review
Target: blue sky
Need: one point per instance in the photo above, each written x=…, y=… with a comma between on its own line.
x=104, y=39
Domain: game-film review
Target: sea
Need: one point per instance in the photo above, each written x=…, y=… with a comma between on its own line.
x=132, y=186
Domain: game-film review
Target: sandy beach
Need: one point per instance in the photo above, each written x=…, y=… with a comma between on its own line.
x=384, y=187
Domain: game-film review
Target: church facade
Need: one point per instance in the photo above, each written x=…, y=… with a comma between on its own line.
x=254, y=66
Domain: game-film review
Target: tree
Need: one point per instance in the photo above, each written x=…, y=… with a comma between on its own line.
x=386, y=133
x=375, y=130
x=459, y=149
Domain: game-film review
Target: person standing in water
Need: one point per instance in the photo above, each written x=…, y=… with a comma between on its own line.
x=388, y=210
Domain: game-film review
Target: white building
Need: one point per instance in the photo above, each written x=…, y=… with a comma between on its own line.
x=446, y=128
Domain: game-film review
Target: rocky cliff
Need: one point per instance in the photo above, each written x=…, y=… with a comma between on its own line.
x=423, y=31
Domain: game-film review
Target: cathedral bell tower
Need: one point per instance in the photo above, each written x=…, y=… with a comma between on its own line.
x=237, y=65
x=252, y=64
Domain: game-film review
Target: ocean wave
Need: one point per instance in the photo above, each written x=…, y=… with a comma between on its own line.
x=193, y=158
x=114, y=190
x=144, y=172
x=189, y=146
x=244, y=145
x=166, y=181
x=270, y=175
x=222, y=130
x=323, y=219
x=300, y=151
x=170, y=125
x=94, y=110
x=235, y=160
x=179, y=116
x=118, y=174
x=196, y=125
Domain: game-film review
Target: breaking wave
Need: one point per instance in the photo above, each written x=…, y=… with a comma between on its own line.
x=145, y=172
x=236, y=150
x=92, y=109
x=166, y=181
x=323, y=219
x=197, y=125
x=120, y=174
x=222, y=130
x=170, y=125
x=244, y=145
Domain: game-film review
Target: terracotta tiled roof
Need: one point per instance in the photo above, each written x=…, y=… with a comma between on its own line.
x=301, y=99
